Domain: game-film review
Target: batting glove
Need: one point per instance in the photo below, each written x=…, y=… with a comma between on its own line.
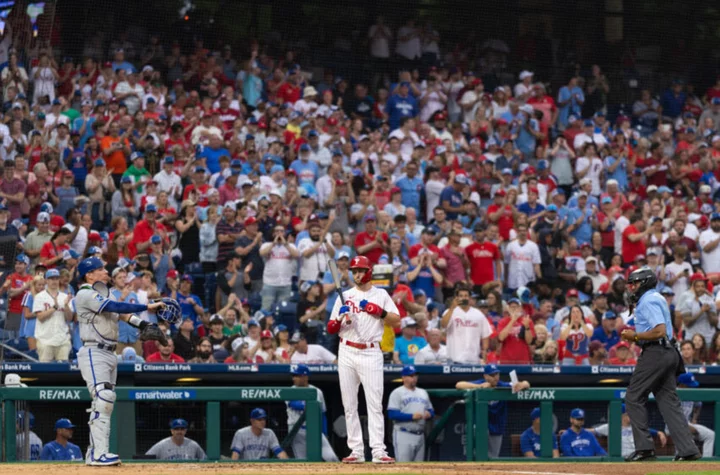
x=344, y=309
x=372, y=309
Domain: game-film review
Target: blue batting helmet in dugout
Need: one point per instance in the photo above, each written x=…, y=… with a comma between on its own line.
x=88, y=265
x=258, y=413
x=688, y=379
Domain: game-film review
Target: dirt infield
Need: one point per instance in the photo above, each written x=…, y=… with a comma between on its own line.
x=509, y=468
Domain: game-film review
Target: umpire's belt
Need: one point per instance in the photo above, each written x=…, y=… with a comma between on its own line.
x=415, y=432
x=101, y=346
x=359, y=346
x=661, y=342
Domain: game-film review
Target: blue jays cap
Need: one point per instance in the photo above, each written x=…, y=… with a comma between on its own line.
x=408, y=370
x=300, y=370
x=178, y=424
x=577, y=413
x=52, y=274
x=535, y=414
x=64, y=424
x=542, y=165
x=688, y=379
x=491, y=368
x=258, y=413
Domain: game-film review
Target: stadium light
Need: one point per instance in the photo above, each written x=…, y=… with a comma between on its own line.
x=610, y=381
x=188, y=380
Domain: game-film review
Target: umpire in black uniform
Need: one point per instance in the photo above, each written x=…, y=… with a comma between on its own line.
x=656, y=370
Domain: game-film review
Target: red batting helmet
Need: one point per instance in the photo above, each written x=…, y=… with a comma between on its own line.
x=362, y=262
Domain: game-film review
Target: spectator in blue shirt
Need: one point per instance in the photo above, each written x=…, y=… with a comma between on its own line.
x=606, y=332
x=673, y=100
x=190, y=304
x=61, y=448
x=532, y=207
x=528, y=131
x=497, y=410
x=407, y=347
x=212, y=153
x=401, y=105
x=579, y=220
x=306, y=170
x=530, y=439
x=578, y=442
x=411, y=186
x=120, y=63
x=570, y=101
x=451, y=198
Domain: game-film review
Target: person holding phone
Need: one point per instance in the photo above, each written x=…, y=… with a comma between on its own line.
x=677, y=273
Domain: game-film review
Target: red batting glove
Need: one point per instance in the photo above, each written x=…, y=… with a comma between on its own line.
x=333, y=326
x=373, y=309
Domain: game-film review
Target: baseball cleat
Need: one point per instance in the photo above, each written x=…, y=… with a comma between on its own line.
x=353, y=458
x=105, y=460
x=384, y=459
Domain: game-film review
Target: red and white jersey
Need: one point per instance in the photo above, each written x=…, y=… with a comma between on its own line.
x=465, y=331
x=363, y=328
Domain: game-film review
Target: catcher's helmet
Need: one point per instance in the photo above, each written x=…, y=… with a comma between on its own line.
x=171, y=312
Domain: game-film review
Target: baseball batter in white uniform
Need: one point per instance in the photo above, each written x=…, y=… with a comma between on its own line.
x=177, y=446
x=98, y=317
x=295, y=409
x=409, y=407
x=360, y=323
x=468, y=330
x=255, y=441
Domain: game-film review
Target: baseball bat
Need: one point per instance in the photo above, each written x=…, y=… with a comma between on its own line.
x=332, y=265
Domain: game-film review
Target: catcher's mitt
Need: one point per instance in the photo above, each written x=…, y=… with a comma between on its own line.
x=171, y=311
x=153, y=332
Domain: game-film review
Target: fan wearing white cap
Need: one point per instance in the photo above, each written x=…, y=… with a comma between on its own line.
x=523, y=90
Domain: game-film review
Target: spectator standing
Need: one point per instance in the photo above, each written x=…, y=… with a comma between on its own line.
x=698, y=310
x=468, y=330
x=165, y=354
x=248, y=245
x=434, y=352
x=280, y=258
x=52, y=310
x=606, y=333
x=516, y=333
x=523, y=260
x=315, y=251
x=709, y=242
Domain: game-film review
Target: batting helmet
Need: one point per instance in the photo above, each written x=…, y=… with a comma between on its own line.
x=88, y=265
x=21, y=419
x=361, y=262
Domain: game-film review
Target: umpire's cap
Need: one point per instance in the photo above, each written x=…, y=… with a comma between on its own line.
x=577, y=413
x=300, y=370
x=178, y=424
x=88, y=265
x=258, y=413
x=64, y=424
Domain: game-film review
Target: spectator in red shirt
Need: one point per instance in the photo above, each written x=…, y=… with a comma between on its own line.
x=145, y=230
x=198, y=190
x=371, y=243
x=16, y=285
x=623, y=355
x=633, y=239
x=502, y=213
x=484, y=258
x=165, y=354
x=51, y=254
x=516, y=332
x=289, y=91
x=427, y=238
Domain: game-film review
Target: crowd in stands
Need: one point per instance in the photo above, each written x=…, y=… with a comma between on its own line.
x=227, y=180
